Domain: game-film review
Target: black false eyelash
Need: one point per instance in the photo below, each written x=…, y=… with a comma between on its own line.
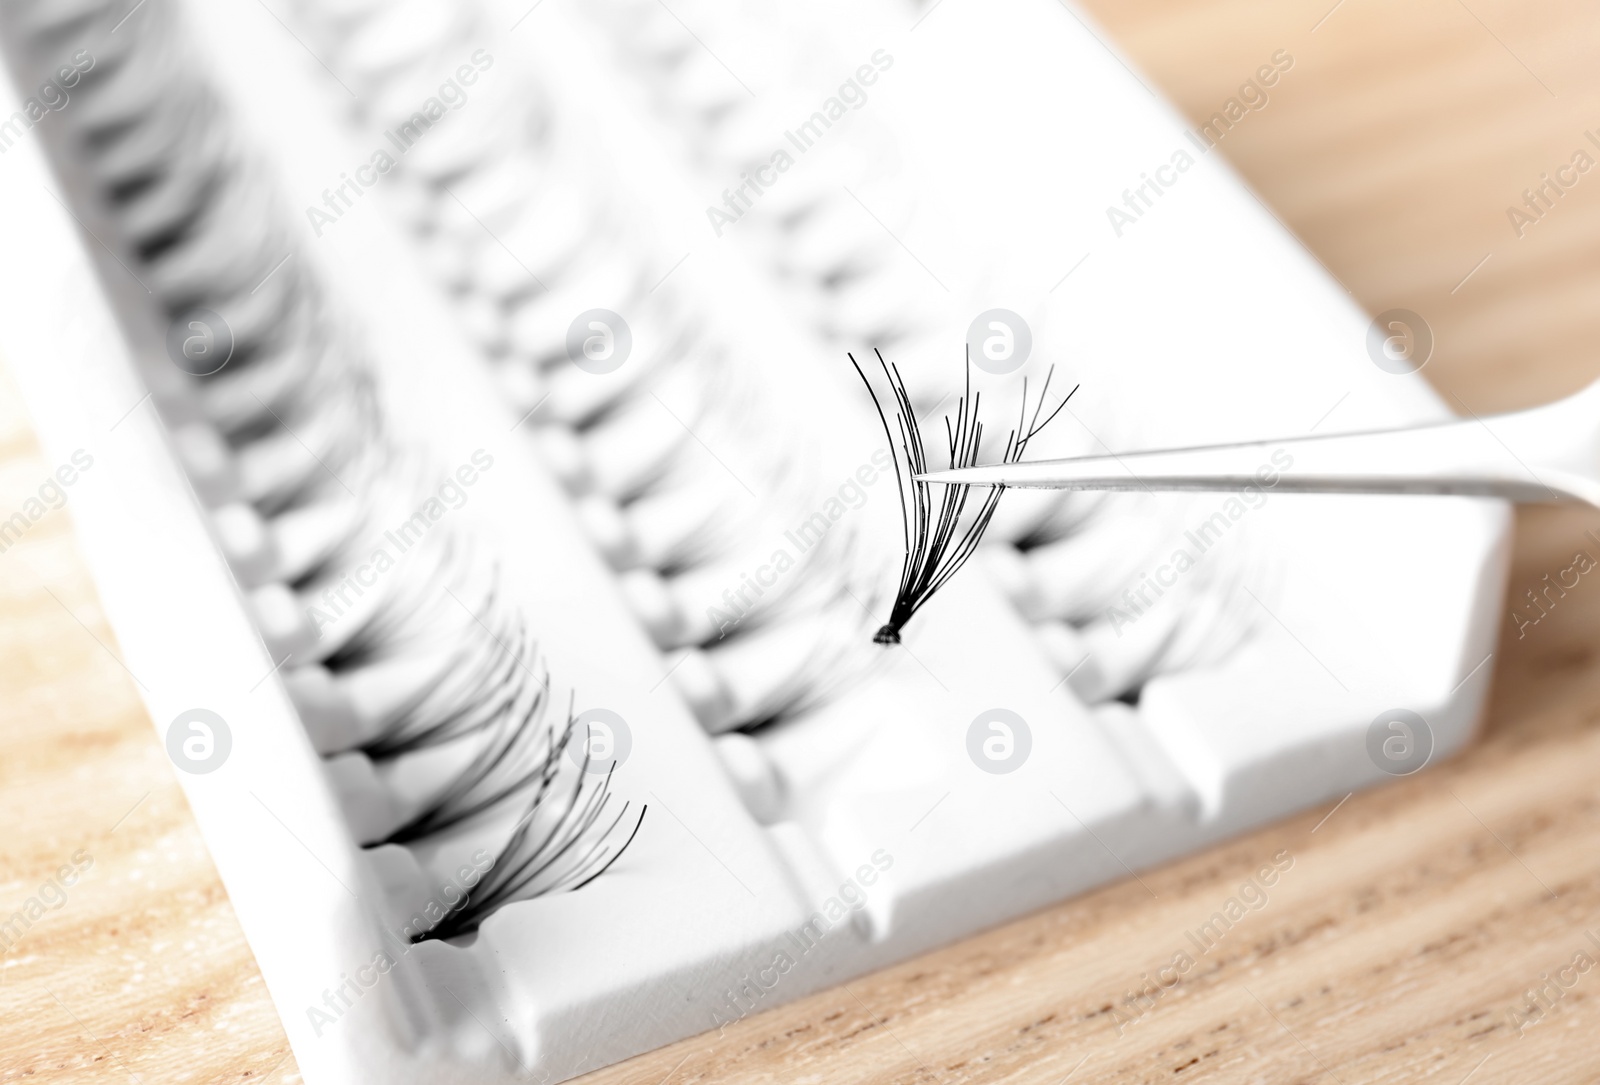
x=938, y=538
x=1064, y=518
x=503, y=766
x=181, y=198
x=407, y=609
x=470, y=694
x=832, y=673
x=692, y=360
x=561, y=853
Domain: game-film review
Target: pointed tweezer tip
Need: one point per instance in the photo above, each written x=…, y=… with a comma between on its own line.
x=967, y=476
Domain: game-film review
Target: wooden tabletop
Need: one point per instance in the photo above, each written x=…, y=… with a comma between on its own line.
x=1402, y=943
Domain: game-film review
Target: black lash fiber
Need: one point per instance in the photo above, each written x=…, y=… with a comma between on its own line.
x=502, y=766
x=939, y=535
x=470, y=685
x=469, y=696
x=203, y=231
x=832, y=668
x=493, y=690
x=406, y=613
x=555, y=846
x=490, y=688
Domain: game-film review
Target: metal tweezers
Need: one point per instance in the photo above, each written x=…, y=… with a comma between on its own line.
x=1548, y=453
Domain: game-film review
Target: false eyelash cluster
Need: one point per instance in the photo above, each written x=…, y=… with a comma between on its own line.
x=499, y=177
x=288, y=436
x=940, y=536
x=560, y=843
x=1069, y=555
x=1066, y=550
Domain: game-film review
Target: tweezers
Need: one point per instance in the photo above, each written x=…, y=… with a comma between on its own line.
x=1548, y=453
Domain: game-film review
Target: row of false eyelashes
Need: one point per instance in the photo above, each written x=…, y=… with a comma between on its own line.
x=175, y=186
x=196, y=229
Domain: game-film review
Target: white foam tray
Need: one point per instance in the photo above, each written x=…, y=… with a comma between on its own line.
x=648, y=954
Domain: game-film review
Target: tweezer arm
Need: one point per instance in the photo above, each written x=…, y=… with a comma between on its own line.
x=1548, y=453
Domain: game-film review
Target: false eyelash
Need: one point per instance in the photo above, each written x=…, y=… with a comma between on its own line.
x=809, y=678
x=721, y=532
x=274, y=369
x=503, y=765
x=937, y=546
x=849, y=266
x=831, y=672
x=1221, y=619
x=832, y=667
x=387, y=483
x=294, y=369
x=339, y=552
x=304, y=406
x=414, y=606
x=1061, y=520
x=535, y=859
x=469, y=695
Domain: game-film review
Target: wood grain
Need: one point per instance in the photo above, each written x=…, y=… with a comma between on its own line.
x=1414, y=918
x=141, y=973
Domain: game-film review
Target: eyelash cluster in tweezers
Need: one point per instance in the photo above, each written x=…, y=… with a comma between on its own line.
x=939, y=535
x=1071, y=556
x=288, y=444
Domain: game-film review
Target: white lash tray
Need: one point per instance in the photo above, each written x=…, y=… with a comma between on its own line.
x=884, y=837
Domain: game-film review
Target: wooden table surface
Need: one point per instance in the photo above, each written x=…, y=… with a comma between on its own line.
x=1398, y=947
